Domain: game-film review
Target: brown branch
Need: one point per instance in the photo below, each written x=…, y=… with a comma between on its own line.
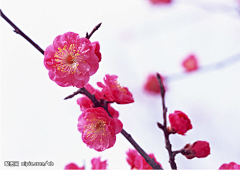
x=94, y=29
x=104, y=104
x=168, y=145
x=18, y=31
x=150, y=161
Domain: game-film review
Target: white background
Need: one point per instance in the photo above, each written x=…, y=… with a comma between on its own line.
x=136, y=39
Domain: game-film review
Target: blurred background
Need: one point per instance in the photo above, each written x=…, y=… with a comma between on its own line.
x=137, y=38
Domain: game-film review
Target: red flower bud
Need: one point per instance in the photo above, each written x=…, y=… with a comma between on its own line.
x=199, y=149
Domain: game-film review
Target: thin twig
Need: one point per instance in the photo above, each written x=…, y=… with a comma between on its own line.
x=178, y=151
x=164, y=126
x=88, y=36
x=18, y=31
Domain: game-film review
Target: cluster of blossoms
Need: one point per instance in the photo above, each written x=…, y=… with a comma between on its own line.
x=97, y=127
x=96, y=164
x=71, y=61
x=180, y=124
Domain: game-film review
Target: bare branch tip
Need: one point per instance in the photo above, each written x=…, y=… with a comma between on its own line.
x=160, y=125
x=99, y=25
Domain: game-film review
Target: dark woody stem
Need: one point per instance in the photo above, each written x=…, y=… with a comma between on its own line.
x=164, y=126
x=104, y=105
x=18, y=31
x=96, y=103
x=88, y=36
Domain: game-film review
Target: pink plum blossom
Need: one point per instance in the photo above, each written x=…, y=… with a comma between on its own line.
x=73, y=166
x=113, y=92
x=231, y=165
x=71, y=60
x=98, y=164
x=190, y=63
x=180, y=123
x=136, y=161
x=98, y=128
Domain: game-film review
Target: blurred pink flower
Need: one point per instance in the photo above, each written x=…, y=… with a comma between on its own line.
x=231, y=165
x=71, y=60
x=199, y=149
x=190, y=63
x=98, y=128
x=152, y=86
x=136, y=161
x=73, y=166
x=113, y=92
x=160, y=1
x=180, y=123
x=98, y=164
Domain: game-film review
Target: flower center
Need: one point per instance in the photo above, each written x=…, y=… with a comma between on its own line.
x=95, y=128
x=120, y=88
x=99, y=125
x=70, y=59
